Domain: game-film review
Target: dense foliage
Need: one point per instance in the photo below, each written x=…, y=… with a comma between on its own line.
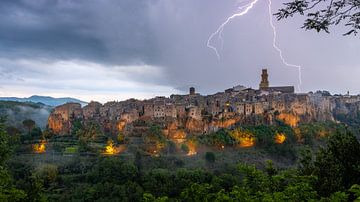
x=322, y=14
x=322, y=164
x=8, y=192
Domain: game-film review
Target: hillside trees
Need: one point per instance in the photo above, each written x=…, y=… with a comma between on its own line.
x=29, y=124
x=7, y=190
x=338, y=165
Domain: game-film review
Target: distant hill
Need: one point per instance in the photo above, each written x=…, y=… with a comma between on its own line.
x=17, y=112
x=50, y=101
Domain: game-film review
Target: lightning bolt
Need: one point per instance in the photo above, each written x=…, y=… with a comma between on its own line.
x=279, y=50
x=242, y=11
x=220, y=30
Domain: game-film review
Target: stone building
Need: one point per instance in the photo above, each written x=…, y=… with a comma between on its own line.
x=258, y=108
x=264, y=85
x=240, y=108
x=194, y=112
x=148, y=109
x=170, y=110
x=192, y=91
x=180, y=110
x=248, y=109
x=92, y=110
x=130, y=115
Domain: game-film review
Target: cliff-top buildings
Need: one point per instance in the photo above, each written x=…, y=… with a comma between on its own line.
x=195, y=113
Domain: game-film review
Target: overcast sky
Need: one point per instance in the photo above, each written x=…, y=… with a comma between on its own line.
x=114, y=50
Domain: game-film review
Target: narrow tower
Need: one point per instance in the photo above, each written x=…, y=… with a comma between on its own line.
x=192, y=91
x=264, y=84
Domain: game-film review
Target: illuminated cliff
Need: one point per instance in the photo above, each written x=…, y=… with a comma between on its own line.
x=182, y=115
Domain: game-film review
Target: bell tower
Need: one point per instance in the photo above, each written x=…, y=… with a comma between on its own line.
x=264, y=84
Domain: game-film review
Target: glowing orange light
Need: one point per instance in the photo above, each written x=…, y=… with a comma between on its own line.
x=192, y=148
x=121, y=125
x=247, y=141
x=228, y=122
x=245, y=138
x=40, y=148
x=289, y=119
x=110, y=149
x=280, y=138
x=191, y=153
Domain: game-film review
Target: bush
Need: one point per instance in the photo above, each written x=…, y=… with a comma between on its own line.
x=185, y=148
x=210, y=157
x=47, y=173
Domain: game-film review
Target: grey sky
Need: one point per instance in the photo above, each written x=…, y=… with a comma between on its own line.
x=113, y=50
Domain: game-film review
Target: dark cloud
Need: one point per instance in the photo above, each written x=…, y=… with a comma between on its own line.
x=172, y=35
x=107, y=31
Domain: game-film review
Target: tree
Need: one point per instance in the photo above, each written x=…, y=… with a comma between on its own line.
x=47, y=173
x=197, y=192
x=4, y=147
x=154, y=139
x=29, y=124
x=185, y=148
x=159, y=182
x=337, y=166
x=306, y=163
x=112, y=170
x=7, y=190
x=14, y=136
x=210, y=157
x=355, y=189
x=76, y=125
x=120, y=138
x=334, y=12
x=36, y=133
x=270, y=169
x=89, y=132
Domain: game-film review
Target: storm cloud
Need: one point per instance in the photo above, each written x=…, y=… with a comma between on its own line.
x=112, y=50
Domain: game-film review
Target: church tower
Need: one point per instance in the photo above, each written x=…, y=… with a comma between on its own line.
x=264, y=84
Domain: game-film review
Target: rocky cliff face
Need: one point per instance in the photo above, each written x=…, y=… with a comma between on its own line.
x=183, y=115
x=60, y=120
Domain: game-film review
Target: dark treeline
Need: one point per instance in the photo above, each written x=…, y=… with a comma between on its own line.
x=329, y=173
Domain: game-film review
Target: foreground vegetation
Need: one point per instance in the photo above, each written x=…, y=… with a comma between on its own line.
x=322, y=164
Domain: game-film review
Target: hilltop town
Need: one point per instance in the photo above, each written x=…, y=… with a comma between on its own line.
x=180, y=115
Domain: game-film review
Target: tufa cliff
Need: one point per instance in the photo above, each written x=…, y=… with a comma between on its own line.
x=180, y=115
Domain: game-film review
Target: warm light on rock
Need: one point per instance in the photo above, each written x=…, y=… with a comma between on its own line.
x=247, y=141
x=280, y=138
x=245, y=138
x=121, y=125
x=192, y=148
x=289, y=119
x=55, y=123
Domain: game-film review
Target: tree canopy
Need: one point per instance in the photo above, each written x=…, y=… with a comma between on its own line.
x=322, y=14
